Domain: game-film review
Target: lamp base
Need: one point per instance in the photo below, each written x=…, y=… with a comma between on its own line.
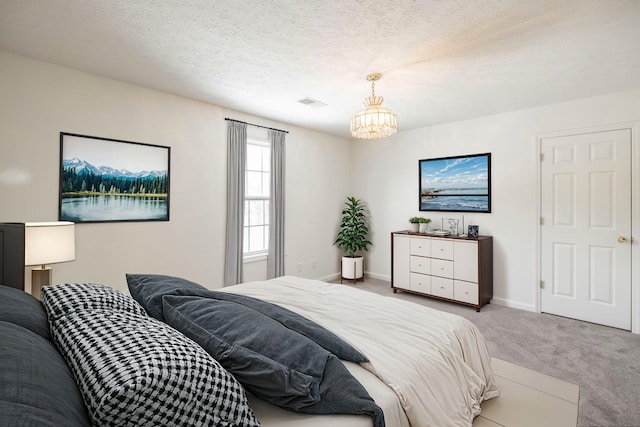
x=39, y=277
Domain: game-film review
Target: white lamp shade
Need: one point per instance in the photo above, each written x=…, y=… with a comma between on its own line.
x=49, y=242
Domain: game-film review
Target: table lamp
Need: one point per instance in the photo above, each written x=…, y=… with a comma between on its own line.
x=47, y=243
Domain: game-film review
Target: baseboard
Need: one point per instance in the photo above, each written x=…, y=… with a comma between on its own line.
x=377, y=276
x=513, y=304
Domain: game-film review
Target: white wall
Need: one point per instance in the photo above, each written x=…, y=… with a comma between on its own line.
x=39, y=100
x=386, y=176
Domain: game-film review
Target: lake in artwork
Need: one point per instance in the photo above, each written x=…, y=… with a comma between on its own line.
x=114, y=208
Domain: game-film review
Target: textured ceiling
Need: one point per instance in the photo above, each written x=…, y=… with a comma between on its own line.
x=442, y=60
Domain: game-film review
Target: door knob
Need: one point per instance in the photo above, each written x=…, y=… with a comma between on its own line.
x=622, y=239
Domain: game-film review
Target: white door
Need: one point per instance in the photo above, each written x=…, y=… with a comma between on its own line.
x=586, y=227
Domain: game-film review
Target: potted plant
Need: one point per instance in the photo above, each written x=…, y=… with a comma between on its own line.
x=352, y=238
x=419, y=224
x=415, y=223
x=424, y=225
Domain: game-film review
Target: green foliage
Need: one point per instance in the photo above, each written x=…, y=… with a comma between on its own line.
x=73, y=183
x=419, y=220
x=354, y=228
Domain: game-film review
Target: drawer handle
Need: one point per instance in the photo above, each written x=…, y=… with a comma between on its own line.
x=441, y=287
x=466, y=293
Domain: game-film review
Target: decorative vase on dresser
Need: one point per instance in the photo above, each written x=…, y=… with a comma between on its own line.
x=451, y=268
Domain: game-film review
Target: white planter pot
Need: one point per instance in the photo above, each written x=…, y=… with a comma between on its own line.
x=414, y=227
x=423, y=227
x=352, y=267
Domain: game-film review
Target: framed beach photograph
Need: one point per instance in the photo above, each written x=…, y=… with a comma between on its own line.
x=455, y=184
x=109, y=180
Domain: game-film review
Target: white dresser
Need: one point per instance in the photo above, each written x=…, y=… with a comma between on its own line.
x=456, y=269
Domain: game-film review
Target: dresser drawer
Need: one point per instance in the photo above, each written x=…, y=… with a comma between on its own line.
x=442, y=249
x=421, y=283
x=420, y=246
x=442, y=268
x=465, y=292
x=442, y=287
x=420, y=264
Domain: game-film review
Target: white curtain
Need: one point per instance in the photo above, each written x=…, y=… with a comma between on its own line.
x=275, y=260
x=236, y=159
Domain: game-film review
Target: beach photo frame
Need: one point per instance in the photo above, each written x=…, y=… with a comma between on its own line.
x=455, y=184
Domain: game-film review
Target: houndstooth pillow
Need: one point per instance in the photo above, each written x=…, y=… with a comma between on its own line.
x=133, y=370
x=63, y=299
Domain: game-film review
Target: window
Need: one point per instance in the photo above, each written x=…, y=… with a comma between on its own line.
x=257, y=198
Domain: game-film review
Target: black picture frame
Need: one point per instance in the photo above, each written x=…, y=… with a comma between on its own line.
x=111, y=180
x=455, y=184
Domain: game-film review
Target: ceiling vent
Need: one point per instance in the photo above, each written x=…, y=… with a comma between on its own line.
x=310, y=102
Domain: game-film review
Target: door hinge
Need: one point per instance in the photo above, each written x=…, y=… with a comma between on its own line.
x=541, y=284
x=541, y=220
x=542, y=157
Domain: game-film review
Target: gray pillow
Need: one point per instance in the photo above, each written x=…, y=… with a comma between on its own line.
x=274, y=363
x=291, y=320
x=271, y=360
x=148, y=290
x=19, y=307
x=36, y=385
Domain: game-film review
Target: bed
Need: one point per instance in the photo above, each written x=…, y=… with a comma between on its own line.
x=433, y=369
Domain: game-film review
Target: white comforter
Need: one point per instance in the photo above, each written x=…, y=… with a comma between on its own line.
x=437, y=363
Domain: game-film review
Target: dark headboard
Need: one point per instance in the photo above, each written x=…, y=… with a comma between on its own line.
x=12, y=255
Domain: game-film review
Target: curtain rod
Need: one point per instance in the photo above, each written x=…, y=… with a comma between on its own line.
x=251, y=124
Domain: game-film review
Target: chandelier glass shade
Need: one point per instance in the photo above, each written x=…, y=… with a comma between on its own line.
x=374, y=121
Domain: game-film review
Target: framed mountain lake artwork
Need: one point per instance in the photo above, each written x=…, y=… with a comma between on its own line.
x=108, y=180
x=455, y=184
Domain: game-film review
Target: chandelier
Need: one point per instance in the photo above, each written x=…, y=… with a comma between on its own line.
x=374, y=121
